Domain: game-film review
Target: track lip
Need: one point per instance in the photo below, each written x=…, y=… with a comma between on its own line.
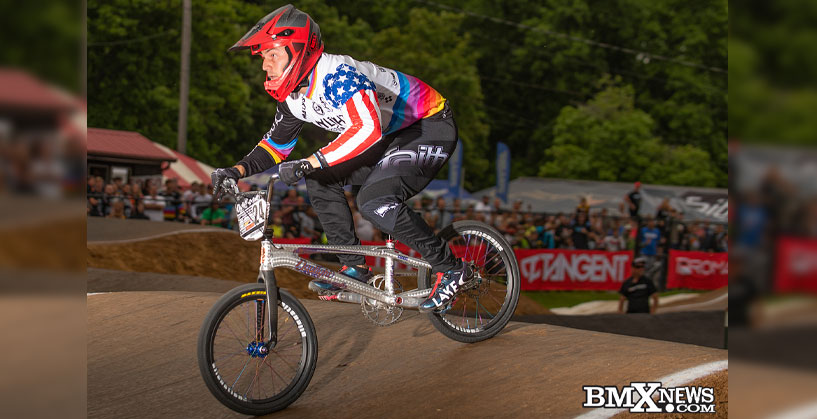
x=673, y=380
x=160, y=235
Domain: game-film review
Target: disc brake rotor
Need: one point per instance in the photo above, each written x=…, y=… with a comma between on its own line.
x=378, y=312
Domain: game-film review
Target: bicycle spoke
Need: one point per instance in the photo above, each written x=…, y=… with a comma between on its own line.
x=257, y=368
x=486, y=310
x=228, y=356
x=226, y=323
x=241, y=373
x=285, y=361
x=275, y=372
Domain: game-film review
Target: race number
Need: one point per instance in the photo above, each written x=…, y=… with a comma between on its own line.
x=252, y=212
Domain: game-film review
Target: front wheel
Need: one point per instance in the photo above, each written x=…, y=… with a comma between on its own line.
x=484, y=308
x=239, y=369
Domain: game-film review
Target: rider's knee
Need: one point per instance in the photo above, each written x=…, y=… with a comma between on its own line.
x=380, y=211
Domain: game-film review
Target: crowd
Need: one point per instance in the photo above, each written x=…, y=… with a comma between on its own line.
x=585, y=228
x=292, y=217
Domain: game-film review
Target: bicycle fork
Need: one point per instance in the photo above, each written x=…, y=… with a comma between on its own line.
x=268, y=277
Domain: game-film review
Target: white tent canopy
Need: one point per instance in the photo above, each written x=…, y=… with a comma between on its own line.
x=563, y=195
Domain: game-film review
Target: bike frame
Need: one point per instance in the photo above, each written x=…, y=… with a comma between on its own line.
x=353, y=291
x=287, y=256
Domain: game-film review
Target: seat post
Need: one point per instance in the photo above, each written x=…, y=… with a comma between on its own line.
x=388, y=274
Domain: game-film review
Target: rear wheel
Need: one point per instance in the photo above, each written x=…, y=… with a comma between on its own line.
x=239, y=369
x=486, y=305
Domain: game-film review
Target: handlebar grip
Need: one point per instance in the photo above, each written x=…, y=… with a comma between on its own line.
x=230, y=184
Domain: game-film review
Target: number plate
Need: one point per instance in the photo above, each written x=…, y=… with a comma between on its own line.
x=251, y=214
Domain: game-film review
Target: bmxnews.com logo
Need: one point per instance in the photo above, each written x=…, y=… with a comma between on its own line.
x=669, y=400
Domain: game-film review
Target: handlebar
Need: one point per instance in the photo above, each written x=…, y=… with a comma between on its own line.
x=230, y=186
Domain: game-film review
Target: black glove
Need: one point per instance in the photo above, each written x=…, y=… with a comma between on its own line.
x=220, y=175
x=290, y=172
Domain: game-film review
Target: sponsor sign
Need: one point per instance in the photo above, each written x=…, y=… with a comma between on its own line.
x=555, y=269
x=697, y=270
x=796, y=265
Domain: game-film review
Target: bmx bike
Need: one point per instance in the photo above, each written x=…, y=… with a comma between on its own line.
x=256, y=360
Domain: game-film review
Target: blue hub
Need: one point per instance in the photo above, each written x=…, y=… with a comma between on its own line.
x=257, y=349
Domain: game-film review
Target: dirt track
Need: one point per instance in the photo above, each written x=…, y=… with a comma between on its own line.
x=141, y=362
x=141, y=345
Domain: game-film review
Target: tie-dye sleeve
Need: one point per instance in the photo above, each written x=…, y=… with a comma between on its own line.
x=276, y=144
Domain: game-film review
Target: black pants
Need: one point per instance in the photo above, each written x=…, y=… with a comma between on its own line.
x=386, y=175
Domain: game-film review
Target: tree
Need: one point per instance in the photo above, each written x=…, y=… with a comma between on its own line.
x=609, y=139
x=133, y=75
x=429, y=48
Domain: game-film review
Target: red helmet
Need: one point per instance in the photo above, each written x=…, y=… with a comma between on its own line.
x=294, y=30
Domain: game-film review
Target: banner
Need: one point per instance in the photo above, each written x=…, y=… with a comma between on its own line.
x=796, y=265
x=455, y=171
x=503, y=171
x=556, y=269
x=697, y=270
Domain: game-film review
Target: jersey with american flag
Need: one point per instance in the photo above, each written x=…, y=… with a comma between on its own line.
x=360, y=100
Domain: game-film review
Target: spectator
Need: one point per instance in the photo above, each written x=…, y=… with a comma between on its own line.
x=173, y=201
x=562, y=229
x=127, y=198
x=637, y=291
x=440, y=215
x=650, y=238
x=484, y=206
x=364, y=228
x=117, y=209
x=470, y=213
x=139, y=212
x=633, y=200
x=154, y=204
x=89, y=189
x=306, y=220
x=531, y=239
x=107, y=199
x=456, y=210
x=187, y=196
x=714, y=241
x=213, y=215
x=199, y=201
x=581, y=231
x=664, y=211
x=277, y=226
x=583, y=206
x=95, y=197
x=288, y=205
x=117, y=184
x=613, y=242
x=548, y=235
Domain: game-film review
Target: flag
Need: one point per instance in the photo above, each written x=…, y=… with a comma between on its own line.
x=455, y=170
x=503, y=171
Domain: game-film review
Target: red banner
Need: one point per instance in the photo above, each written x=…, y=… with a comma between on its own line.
x=796, y=265
x=555, y=269
x=697, y=270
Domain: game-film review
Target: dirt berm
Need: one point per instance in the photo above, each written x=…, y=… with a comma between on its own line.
x=180, y=249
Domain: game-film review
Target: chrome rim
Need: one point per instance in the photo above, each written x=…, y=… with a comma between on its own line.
x=239, y=361
x=479, y=306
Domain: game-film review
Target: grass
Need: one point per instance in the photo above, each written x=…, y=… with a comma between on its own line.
x=553, y=299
